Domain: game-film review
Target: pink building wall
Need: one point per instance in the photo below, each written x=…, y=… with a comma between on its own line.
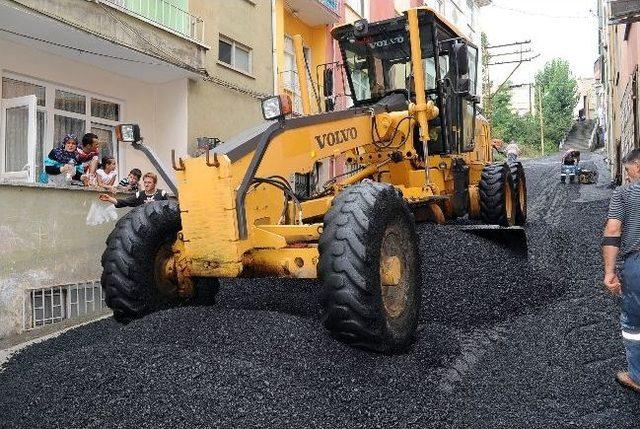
x=629, y=53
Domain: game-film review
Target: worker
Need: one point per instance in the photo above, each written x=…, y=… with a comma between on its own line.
x=513, y=151
x=571, y=157
x=150, y=193
x=622, y=239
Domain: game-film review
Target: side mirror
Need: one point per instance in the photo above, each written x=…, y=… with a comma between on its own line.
x=128, y=133
x=463, y=85
x=328, y=82
x=461, y=54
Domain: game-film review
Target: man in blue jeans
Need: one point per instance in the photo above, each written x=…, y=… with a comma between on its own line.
x=622, y=238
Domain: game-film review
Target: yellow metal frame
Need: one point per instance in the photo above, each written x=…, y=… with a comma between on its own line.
x=209, y=241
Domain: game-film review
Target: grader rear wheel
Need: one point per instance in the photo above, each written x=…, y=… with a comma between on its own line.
x=139, y=274
x=370, y=270
x=497, y=196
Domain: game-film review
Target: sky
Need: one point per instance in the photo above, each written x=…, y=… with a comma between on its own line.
x=557, y=28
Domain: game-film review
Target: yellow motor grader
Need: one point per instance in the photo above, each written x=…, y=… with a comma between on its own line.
x=334, y=195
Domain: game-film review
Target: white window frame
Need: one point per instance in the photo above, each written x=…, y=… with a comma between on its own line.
x=290, y=77
x=50, y=111
x=236, y=45
x=28, y=171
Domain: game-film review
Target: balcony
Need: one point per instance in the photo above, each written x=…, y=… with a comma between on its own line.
x=315, y=12
x=164, y=14
x=625, y=11
x=145, y=39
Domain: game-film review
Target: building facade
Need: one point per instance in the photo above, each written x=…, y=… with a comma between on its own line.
x=617, y=79
x=181, y=69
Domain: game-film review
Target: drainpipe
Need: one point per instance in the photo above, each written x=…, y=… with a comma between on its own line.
x=274, y=45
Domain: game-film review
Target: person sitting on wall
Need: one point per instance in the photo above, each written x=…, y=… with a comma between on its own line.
x=64, y=159
x=130, y=183
x=107, y=174
x=150, y=193
x=88, y=155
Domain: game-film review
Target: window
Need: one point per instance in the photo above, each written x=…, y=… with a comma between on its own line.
x=290, y=72
x=358, y=6
x=105, y=109
x=60, y=111
x=234, y=54
x=12, y=88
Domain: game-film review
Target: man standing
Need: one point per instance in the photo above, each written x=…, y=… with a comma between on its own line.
x=513, y=151
x=622, y=238
x=150, y=193
x=89, y=155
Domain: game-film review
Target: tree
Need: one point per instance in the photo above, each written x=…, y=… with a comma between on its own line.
x=559, y=97
x=509, y=125
x=486, y=79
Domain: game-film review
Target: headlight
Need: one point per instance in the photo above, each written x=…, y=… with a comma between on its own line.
x=128, y=133
x=276, y=107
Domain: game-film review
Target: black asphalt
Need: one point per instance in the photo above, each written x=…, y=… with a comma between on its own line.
x=504, y=342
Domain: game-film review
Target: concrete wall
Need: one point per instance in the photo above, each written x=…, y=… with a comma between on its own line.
x=45, y=241
x=160, y=109
x=216, y=111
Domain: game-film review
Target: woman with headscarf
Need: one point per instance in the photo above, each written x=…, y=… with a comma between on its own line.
x=64, y=159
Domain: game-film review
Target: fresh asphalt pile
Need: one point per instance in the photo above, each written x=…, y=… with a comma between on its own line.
x=503, y=342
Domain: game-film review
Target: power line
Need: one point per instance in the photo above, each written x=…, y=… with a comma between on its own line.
x=544, y=15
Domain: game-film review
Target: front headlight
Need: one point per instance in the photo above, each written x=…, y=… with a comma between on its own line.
x=128, y=133
x=276, y=107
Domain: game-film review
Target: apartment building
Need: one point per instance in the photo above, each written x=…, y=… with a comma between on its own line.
x=182, y=69
x=313, y=20
x=617, y=74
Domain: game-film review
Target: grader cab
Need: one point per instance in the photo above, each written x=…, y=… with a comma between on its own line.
x=333, y=195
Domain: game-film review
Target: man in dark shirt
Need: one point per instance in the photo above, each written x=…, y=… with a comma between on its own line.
x=622, y=238
x=571, y=157
x=150, y=193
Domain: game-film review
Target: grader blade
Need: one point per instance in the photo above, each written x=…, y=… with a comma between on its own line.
x=513, y=238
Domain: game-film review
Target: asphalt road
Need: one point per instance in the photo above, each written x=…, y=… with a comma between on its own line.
x=504, y=341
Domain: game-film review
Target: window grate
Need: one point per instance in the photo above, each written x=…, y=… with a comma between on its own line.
x=46, y=306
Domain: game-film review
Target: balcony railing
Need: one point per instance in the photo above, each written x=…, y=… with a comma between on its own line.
x=164, y=14
x=334, y=5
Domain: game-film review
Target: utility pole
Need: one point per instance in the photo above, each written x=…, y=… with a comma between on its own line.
x=515, y=54
x=541, y=116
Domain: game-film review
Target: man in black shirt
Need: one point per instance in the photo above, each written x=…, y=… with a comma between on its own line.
x=150, y=193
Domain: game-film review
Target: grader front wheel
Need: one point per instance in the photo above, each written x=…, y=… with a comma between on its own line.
x=139, y=273
x=370, y=270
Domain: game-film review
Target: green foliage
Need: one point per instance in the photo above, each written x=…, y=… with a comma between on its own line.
x=559, y=98
x=508, y=125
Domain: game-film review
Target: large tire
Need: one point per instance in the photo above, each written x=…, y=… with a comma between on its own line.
x=497, y=202
x=130, y=262
x=369, y=226
x=520, y=188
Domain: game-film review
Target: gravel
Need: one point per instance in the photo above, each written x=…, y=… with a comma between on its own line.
x=503, y=342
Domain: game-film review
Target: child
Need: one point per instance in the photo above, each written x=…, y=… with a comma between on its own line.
x=130, y=183
x=107, y=174
x=64, y=159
